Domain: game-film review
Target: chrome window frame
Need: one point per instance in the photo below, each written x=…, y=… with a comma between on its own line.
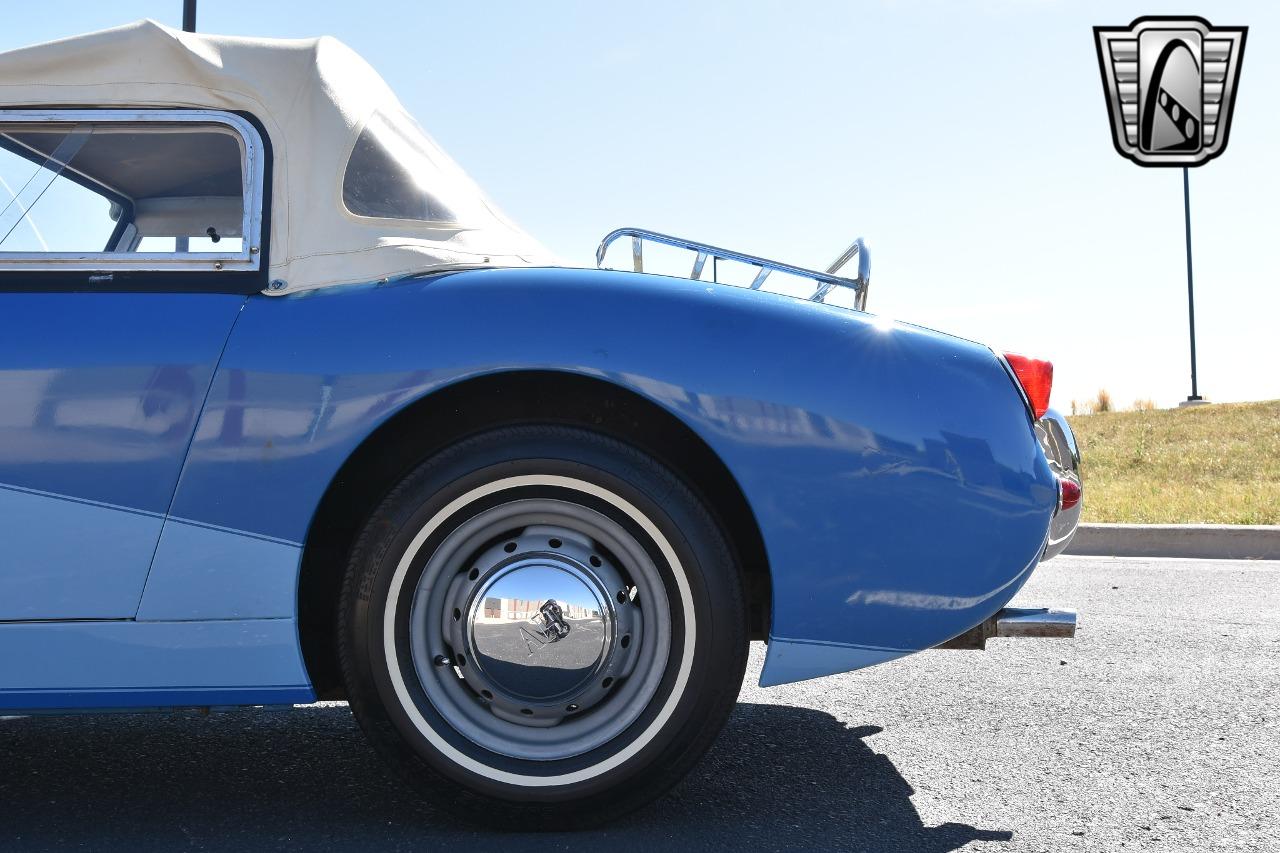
x=253, y=166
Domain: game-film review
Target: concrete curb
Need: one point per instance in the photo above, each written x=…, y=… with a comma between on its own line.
x=1188, y=541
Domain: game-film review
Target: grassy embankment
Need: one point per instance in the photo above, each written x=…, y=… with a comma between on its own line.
x=1217, y=464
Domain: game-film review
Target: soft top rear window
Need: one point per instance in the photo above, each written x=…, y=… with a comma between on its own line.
x=396, y=172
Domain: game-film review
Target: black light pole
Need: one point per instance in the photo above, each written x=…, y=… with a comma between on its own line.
x=1191, y=294
x=189, y=16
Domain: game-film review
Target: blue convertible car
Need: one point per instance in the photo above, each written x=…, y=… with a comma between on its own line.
x=291, y=411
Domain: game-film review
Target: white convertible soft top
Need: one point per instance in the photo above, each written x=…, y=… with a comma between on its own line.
x=315, y=98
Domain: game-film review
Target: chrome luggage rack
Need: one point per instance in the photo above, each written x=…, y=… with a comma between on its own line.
x=827, y=281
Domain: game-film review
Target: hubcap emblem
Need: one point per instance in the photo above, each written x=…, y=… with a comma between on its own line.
x=540, y=629
x=553, y=618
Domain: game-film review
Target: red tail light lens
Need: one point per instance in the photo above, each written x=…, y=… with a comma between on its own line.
x=1035, y=377
x=1069, y=493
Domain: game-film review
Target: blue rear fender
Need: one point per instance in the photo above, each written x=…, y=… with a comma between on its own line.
x=892, y=471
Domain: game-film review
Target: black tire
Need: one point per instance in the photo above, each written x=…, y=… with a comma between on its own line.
x=693, y=688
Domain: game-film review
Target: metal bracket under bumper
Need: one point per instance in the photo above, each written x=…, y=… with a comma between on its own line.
x=1016, y=622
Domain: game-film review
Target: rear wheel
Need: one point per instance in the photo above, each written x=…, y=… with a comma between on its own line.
x=545, y=617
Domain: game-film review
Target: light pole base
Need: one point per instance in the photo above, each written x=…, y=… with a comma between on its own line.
x=1193, y=401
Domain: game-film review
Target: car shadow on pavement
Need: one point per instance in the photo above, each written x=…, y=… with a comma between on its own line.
x=778, y=778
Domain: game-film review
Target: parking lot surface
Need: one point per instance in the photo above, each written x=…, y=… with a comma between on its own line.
x=1157, y=728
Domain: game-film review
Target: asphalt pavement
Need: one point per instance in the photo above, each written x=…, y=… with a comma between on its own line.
x=1157, y=728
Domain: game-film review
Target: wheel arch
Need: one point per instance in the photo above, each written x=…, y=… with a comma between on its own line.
x=493, y=400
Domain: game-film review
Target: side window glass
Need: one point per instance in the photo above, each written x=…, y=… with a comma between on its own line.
x=41, y=208
x=137, y=194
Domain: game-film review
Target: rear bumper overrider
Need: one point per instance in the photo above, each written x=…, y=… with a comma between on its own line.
x=1060, y=448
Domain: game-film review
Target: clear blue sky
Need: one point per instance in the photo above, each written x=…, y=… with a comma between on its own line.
x=968, y=143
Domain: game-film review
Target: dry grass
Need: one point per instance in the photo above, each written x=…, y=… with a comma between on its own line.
x=1102, y=403
x=1218, y=463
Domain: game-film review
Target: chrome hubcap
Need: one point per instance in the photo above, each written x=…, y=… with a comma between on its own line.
x=543, y=625
x=540, y=628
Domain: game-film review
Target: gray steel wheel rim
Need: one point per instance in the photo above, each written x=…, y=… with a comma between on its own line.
x=462, y=708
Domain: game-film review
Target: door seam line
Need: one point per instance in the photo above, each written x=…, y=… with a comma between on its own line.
x=186, y=455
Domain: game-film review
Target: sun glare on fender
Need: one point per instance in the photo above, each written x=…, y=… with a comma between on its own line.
x=882, y=324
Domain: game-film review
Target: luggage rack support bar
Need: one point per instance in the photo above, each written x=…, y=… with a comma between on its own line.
x=827, y=281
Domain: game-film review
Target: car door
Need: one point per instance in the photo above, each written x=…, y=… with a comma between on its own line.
x=127, y=244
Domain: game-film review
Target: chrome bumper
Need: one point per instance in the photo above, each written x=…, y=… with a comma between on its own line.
x=1017, y=622
x=1059, y=445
